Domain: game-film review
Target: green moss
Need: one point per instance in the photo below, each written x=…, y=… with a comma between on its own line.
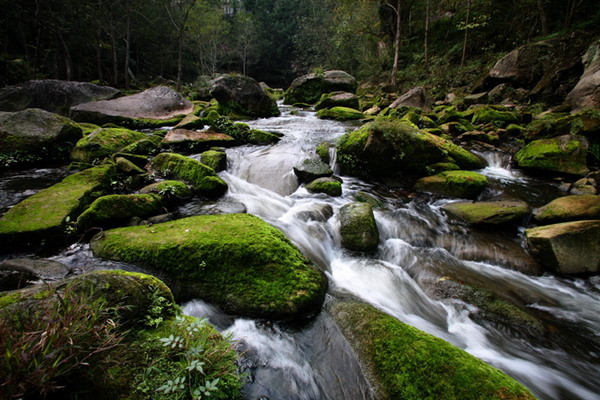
x=462, y=184
x=145, y=147
x=409, y=364
x=569, y=208
x=86, y=128
x=489, y=212
x=48, y=211
x=168, y=189
x=103, y=143
x=565, y=154
x=340, y=114
x=322, y=151
x=489, y=115
x=216, y=160
x=236, y=261
x=259, y=137
x=329, y=186
x=201, y=177
x=358, y=229
x=115, y=208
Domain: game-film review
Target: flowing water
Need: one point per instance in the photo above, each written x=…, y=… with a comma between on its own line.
x=419, y=248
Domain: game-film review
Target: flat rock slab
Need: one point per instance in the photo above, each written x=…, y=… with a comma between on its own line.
x=185, y=136
x=569, y=208
x=159, y=103
x=488, y=212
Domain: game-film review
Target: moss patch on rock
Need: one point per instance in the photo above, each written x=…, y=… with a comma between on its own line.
x=116, y=208
x=569, y=208
x=358, y=228
x=203, y=178
x=46, y=214
x=462, y=184
x=405, y=363
x=564, y=154
x=103, y=142
x=340, y=114
x=329, y=186
x=489, y=212
x=236, y=261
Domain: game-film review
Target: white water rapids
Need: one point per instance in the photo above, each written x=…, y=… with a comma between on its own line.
x=417, y=245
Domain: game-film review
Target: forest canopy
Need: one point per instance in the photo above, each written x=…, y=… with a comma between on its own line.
x=122, y=41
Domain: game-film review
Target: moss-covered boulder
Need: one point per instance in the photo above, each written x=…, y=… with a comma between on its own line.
x=565, y=154
x=311, y=169
x=493, y=115
x=114, y=209
x=242, y=95
x=128, y=167
x=236, y=261
x=309, y=88
x=143, y=147
x=403, y=362
x=329, y=186
x=569, y=208
x=461, y=184
x=35, y=136
x=358, y=229
x=551, y=124
x=103, y=143
x=488, y=212
x=168, y=189
x=184, y=140
x=340, y=114
x=204, y=179
x=191, y=121
x=567, y=247
x=215, y=158
x=259, y=137
x=43, y=218
x=322, y=150
x=387, y=147
x=338, y=99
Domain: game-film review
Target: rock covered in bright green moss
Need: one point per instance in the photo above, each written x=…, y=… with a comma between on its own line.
x=338, y=99
x=311, y=169
x=168, y=188
x=117, y=208
x=563, y=154
x=202, y=178
x=584, y=123
x=340, y=114
x=329, y=186
x=145, y=147
x=34, y=135
x=567, y=247
x=259, y=137
x=488, y=212
x=103, y=142
x=236, y=261
x=387, y=147
x=462, y=184
x=322, y=151
x=403, y=362
x=358, y=229
x=44, y=216
x=127, y=166
x=569, y=208
x=492, y=115
x=216, y=159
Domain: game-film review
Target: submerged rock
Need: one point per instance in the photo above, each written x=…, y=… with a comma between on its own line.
x=564, y=154
x=569, y=208
x=52, y=95
x=236, y=261
x=43, y=217
x=358, y=228
x=488, y=212
x=568, y=247
x=104, y=142
x=203, y=178
x=403, y=362
x=309, y=88
x=35, y=136
x=242, y=95
x=462, y=184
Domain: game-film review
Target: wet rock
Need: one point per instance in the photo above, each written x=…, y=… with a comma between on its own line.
x=115, y=209
x=586, y=93
x=127, y=166
x=489, y=212
x=43, y=218
x=329, y=186
x=52, y=95
x=395, y=355
x=415, y=97
x=322, y=151
x=317, y=212
x=358, y=229
x=569, y=208
x=476, y=98
x=461, y=184
x=340, y=114
x=191, y=121
x=568, y=247
x=102, y=143
x=499, y=117
x=223, y=259
x=153, y=107
x=584, y=186
x=20, y=272
x=309, y=88
x=338, y=99
x=35, y=136
x=564, y=154
x=168, y=189
x=186, y=140
x=204, y=179
x=242, y=95
x=145, y=147
x=387, y=147
x=311, y=169
x=216, y=159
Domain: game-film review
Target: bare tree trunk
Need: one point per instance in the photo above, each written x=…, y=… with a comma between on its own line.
x=127, y=43
x=543, y=17
x=464, y=52
x=67, y=56
x=398, y=11
x=426, y=41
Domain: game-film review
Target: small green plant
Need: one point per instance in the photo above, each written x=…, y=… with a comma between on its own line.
x=156, y=312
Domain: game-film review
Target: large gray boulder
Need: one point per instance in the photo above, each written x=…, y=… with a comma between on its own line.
x=152, y=107
x=35, y=135
x=568, y=247
x=586, y=94
x=415, y=97
x=311, y=169
x=309, y=88
x=338, y=99
x=52, y=95
x=358, y=229
x=243, y=95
